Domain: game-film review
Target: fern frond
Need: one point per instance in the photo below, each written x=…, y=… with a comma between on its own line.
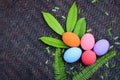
x=86, y=73
x=59, y=69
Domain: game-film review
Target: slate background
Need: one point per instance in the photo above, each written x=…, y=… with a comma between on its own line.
x=22, y=56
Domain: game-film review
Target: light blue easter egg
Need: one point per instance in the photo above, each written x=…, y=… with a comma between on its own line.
x=72, y=54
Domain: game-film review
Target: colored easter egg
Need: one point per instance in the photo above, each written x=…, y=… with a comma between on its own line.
x=72, y=54
x=71, y=39
x=88, y=57
x=101, y=47
x=87, y=41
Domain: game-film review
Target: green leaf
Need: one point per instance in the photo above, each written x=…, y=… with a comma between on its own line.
x=109, y=31
x=87, y=72
x=53, y=42
x=59, y=69
x=53, y=23
x=71, y=18
x=80, y=27
x=94, y=1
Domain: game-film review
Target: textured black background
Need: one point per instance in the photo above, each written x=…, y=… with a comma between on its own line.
x=22, y=56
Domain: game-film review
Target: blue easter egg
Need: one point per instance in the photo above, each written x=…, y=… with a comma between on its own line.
x=72, y=54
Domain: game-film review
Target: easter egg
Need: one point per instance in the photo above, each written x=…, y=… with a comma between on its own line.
x=72, y=54
x=101, y=47
x=71, y=39
x=87, y=41
x=88, y=57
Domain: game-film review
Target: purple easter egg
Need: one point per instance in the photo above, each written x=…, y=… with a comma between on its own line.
x=101, y=47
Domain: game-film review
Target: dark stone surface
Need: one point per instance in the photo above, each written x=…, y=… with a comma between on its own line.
x=22, y=56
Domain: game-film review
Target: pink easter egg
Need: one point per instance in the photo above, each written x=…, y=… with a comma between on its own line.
x=87, y=41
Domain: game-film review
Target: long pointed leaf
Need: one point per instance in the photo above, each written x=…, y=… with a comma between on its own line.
x=59, y=69
x=80, y=27
x=53, y=42
x=86, y=73
x=71, y=18
x=53, y=23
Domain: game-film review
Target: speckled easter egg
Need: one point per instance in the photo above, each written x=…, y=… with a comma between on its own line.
x=71, y=39
x=87, y=41
x=72, y=54
x=88, y=57
x=101, y=47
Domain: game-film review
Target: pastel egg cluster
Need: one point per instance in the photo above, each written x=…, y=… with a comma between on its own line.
x=84, y=48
